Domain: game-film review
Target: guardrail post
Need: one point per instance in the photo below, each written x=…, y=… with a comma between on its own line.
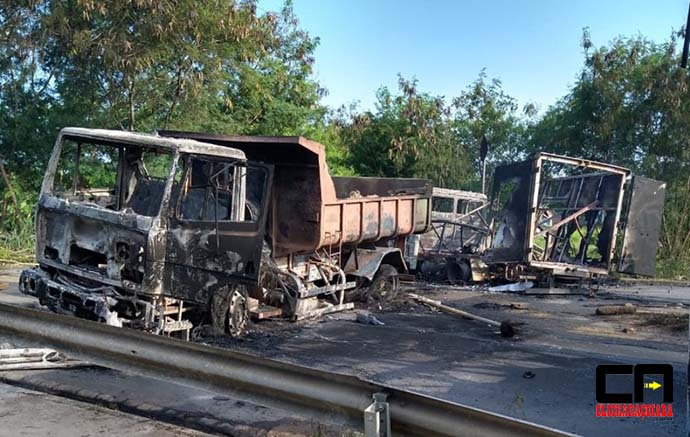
x=377, y=422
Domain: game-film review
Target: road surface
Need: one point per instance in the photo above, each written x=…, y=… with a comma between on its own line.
x=546, y=374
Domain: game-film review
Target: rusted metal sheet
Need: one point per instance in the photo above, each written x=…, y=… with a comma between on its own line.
x=643, y=224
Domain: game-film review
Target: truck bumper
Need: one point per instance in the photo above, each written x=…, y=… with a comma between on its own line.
x=62, y=298
x=32, y=282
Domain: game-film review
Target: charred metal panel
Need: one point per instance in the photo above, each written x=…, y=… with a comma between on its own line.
x=365, y=263
x=203, y=256
x=643, y=224
x=108, y=243
x=346, y=187
x=296, y=209
x=198, y=266
x=510, y=199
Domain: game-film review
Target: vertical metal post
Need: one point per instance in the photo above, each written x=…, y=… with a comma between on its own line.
x=619, y=206
x=590, y=226
x=564, y=229
x=377, y=421
x=686, y=43
x=534, y=206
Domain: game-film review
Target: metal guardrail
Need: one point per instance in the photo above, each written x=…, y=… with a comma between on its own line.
x=316, y=393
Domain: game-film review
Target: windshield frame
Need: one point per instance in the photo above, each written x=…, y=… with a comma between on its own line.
x=47, y=187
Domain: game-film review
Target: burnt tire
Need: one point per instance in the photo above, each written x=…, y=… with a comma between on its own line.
x=385, y=286
x=458, y=271
x=230, y=311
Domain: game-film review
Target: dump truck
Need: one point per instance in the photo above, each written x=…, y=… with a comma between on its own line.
x=176, y=232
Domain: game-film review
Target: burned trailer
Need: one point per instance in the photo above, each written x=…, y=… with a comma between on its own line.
x=560, y=217
x=451, y=250
x=169, y=234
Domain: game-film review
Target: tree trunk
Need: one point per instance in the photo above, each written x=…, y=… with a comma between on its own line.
x=131, y=104
x=178, y=93
x=6, y=179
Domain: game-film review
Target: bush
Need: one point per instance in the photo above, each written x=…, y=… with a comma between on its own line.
x=17, y=243
x=673, y=268
x=17, y=233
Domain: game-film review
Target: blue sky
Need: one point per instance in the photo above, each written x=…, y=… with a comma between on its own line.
x=533, y=47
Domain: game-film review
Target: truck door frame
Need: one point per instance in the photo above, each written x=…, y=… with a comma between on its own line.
x=205, y=255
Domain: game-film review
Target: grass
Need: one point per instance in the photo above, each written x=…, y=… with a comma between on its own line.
x=673, y=268
x=17, y=242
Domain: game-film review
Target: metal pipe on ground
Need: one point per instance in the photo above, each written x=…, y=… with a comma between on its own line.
x=315, y=393
x=506, y=328
x=34, y=359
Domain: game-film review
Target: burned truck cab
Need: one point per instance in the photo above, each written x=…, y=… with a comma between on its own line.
x=126, y=222
x=451, y=251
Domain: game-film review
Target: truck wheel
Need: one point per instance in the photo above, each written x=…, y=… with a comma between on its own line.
x=385, y=285
x=229, y=310
x=458, y=271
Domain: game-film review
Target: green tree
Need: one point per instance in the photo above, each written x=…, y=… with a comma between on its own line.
x=408, y=135
x=211, y=64
x=629, y=106
x=26, y=89
x=148, y=64
x=413, y=133
x=484, y=109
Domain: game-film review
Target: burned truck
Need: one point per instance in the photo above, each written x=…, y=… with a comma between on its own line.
x=555, y=216
x=451, y=250
x=177, y=231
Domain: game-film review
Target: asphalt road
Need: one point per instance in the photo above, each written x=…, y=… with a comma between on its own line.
x=546, y=374
x=30, y=413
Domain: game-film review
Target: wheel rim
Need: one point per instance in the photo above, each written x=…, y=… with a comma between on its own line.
x=237, y=314
x=385, y=288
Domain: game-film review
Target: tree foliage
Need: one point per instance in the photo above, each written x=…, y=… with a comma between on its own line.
x=142, y=65
x=415, y=134
x=408, y=135
x=485, y=110
x=630, y=105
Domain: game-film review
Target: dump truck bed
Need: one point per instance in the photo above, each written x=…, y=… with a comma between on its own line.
x=310, y=209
